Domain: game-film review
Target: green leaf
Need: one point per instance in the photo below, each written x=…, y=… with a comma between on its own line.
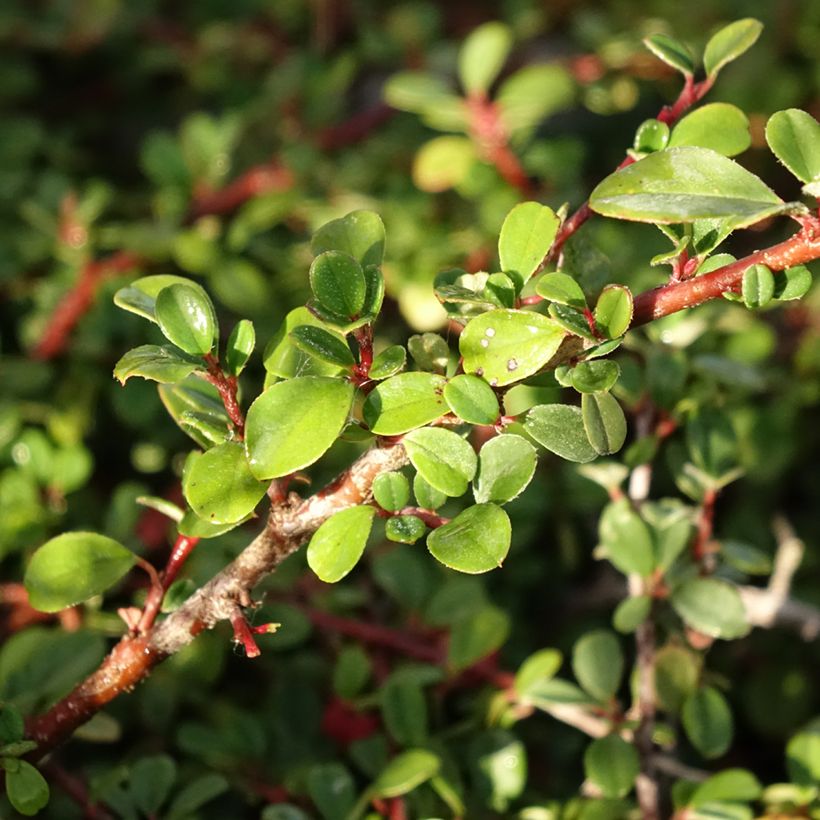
x=472, y=399
x=158, y=363
x=498, y=769
x=428, y=497
x=803, y=756
x=26, y=788
x=561, y=288
x=339, y=543
x=445, y=460
x=405, y=529
x=604, y=422
x=197, y=793
x=612, y=765
x=631, y=613
x=594, y=376
x=536, y=670
x=239, y=347
x=794, y=137
x=505, y=346
x=473, y=638
x=389, y=362
x=442, y=163
x=338, y=283
x=677, y=672
x=12, y=728
x=73, y=567
x=421, y=93
x=219, y=485
x=405, y=772
x=598, y=663
x=672, y=52
x=719, y=126
x=533, y=93
x=792, y=283
x=283, y=359
x=322, y=345
x=404, y=711
x=711, y=441
x=351, y=672
x=391, y=491
x=652, y=135
x=745, y=558
x=404, y=402
x=151, y=781
x=560, y=429
x=711, y=606
x=571, y=320
x=293, y=423
x=707, y=721
x=732, y=785
x=359, y=234
x=526, y=237
x=332, y=789
x=140, y=296
x=482, y=55
x=186, y=317
x=429, y=351
x=506, y=465
x=373, y=292
x=476, y=540
x=613, y=311
x=757, y=287
x=685, y=184
x=729, y=43
x=626, y=539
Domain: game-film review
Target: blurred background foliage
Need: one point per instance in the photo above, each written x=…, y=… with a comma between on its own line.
x=119, y=123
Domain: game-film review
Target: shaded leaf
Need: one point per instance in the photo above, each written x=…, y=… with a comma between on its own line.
x=707, y=721
x=612, y=765
x=598, y=663
x=604, y=422
x=338, y=283
x=711, y=606
x=560, y=429
x=445, y=460
x=359, y=234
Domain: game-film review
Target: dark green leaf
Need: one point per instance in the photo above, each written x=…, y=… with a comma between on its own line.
x=677, y=672
x=712, y=442
x=158, y=363
x=561, y=288
x=711, y=606
x=708, y=722
x=338, y=283
x=322, y=345
x=283, y=359
x=598, y=663
x=186, y=317
x=612, y=765
x=151, y=781
x=482, y=55
x=573, y=321
x=560, y=429
x=360, y=235
x=506, y=465
x=293, y=423
x=351, y=672
x=505, y=346
x=473, y=638
x=391, y=491
x=729, y=43
x=73, y=567
x=604, y=422
x=332, y=789
x=26, y=788
x=626, y=539
x=197, y=793
x=758, y=286
x=720, y=126
x=613, y=311
x=745, y=558
x=404, y=711
x=12, y=727
x=472, y=399
x=240, y=345
x=220, y=487
x=404, y=402
x=476, y=540
x=526, y=237
x=339, y=543
x=594, y=376
x=140, y=296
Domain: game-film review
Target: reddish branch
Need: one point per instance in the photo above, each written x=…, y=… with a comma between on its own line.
x=356, y=128
x=227, y=387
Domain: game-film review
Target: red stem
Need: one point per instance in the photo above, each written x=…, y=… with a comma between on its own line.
x=243, y=635
x=356, y=128
x=227, y=387
x=706, y=523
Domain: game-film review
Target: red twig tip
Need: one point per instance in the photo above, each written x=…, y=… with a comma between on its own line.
x=243, y=635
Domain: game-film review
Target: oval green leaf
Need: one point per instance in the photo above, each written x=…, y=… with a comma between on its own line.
x=711, y=606
x=613, y=311
x=239, y=347
x=598, y=663
x=476, y=540
x=720, y=126
x=472, y=399
x=506, y=465
x=526, y=237
x=73, y=567
x=339, y=543
x=404, y=402
x=322, y=345
x=594, y=376
x=559, y=428
x=445, y=460
x=729, y=43
x=794, y=137
x=406, y=771
x=186, y=317
x=604, y=422
x=707, y=720
x=482, y=55
x=443, y=163
x=757, y=287
x=157, y=363
x=561, y=288
x=338, y=283
x=359, y=234
x=293, y=423
x=405, y=529
x=612, y=765
x=672, y=52
x=389, y=362
x=391, y=491
x=26, y=789
x=283, y=359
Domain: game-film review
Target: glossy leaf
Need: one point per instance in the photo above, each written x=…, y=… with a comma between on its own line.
x=594, y=376
x=626, y=539
x=612, y=765
x=404, y=402
x=571, y=320
x=186, y=317
x=388, y=363
x=560, y=429
x=685, y=184
x=794, y=137
x=323, y=345
x=729, y=43
x=613, y=311
x=757, y=287
x=219, y=484
x=526, y=237
x=652, y=135
x=73, y=567
x=26, y=789
x=391, y=491
x=283, y=359
x=482, y=55
x=140, y=297
x=719, y=126
x=561, y=288
x=505, y=346
x=707, y=721
x=373, y=291
x=598, y=663
x=711, y=606
x=405, y=772
x=443, y=163
x=405, y=529
x=472, y=399
x=338, y=283
x=445, y=460
x=533, y=93
x=293, y=423
x=337, y=545
x=604, y=422
x=476, y=540
x=157, y=363
x=672, y=52
x=506, y=465
x=359, y=234
x=239, y=347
